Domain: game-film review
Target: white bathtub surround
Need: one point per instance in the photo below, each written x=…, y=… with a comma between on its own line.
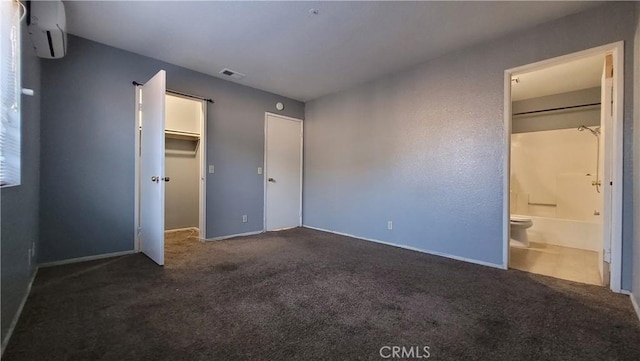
x=551, y=182
x=551, y=175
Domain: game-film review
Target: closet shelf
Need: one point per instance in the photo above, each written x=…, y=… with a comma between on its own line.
x=182, y=135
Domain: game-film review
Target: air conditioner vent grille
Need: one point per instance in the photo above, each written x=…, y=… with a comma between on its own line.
x=232, y=74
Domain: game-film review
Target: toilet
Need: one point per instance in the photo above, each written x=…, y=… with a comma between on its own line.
x=519, y=225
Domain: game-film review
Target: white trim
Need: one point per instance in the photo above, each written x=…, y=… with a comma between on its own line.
x=264, y=176
x=616, y=167
x=433, y=253
x=233, y=236
x=264, y=169
x=16, y=317
x=283, y=117
x=634, y=302
x=181, y=229
x=202, y=197
x=282, y=229
x=617, y=50
x=87, y=258
x=506, y=166
x=136, y=194
x=301, y=170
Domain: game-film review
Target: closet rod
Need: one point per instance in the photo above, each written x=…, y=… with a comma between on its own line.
x=179, y=93
x=554, y=109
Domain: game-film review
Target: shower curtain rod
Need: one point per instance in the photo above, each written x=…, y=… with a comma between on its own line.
x=180, y=93
x=554, y=109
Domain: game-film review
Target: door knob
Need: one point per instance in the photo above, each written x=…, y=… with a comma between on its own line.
x=166, y=179
x=155, y=179
x=271, y=180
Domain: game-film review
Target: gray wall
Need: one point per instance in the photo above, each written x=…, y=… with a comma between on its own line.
x=87, y=184
x=563, y=119
x=19, y=226
x=424, y=147
x=182, y=166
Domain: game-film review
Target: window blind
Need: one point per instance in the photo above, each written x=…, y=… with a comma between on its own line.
x=10, y=91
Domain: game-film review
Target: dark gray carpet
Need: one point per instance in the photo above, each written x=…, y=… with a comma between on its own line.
x=308, y=295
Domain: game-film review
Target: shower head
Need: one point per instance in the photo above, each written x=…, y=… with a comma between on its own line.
x=595, y=132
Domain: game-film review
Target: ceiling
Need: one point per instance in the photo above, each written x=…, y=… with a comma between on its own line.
x=285, y=49
x=575, y=75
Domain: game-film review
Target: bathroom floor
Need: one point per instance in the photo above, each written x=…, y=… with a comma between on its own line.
x=560, y=262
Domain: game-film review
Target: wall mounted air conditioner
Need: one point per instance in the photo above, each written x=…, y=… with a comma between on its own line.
x=48, y=28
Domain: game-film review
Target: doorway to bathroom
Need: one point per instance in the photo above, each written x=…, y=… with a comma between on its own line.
x=563, y=169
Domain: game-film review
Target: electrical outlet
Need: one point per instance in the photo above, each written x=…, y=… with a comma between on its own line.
x=211, y=169
x=389, y=225
x=259, y=170
x=244, y=218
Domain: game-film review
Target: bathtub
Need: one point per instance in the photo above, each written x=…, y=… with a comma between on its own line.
x=566, y=233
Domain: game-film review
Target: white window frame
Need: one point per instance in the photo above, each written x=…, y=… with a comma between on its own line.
x=10, y=93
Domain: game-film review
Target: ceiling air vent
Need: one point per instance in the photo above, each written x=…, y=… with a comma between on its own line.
x=232, y=74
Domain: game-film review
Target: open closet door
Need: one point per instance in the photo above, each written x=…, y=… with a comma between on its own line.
x=152, y=168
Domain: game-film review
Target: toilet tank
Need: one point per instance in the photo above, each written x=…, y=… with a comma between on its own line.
x=513, y=202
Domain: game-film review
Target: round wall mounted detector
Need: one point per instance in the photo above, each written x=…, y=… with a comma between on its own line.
x=279, y=106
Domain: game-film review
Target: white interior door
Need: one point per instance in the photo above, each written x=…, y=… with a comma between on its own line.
x=606, y=139
x=152, y=168
x=283, y=172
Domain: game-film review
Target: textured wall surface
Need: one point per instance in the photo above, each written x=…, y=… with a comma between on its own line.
x=88, y=150
x=19, y=226
x=424, y=147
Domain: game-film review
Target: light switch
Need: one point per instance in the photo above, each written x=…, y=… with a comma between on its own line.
x=211, y=168
x=259, y=170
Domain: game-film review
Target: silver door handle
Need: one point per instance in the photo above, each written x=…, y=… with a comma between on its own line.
x=166, y=179
x=271, y=180
x=155, y=179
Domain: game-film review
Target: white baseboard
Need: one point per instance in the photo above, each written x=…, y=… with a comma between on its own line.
x=85, y=259
x=233, y=236
x=634, y=301
x=182, y=229
x=16, y=317
x=434, y=253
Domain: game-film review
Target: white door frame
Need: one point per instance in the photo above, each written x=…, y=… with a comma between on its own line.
x=136, y=208
x=264, y=170
x=202, y=144
x=614, y=149
x=202, y=200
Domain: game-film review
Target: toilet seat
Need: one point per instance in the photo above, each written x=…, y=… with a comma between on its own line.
x=519, y=219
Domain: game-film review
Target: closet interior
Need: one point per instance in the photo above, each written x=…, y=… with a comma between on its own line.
x=183, y=124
